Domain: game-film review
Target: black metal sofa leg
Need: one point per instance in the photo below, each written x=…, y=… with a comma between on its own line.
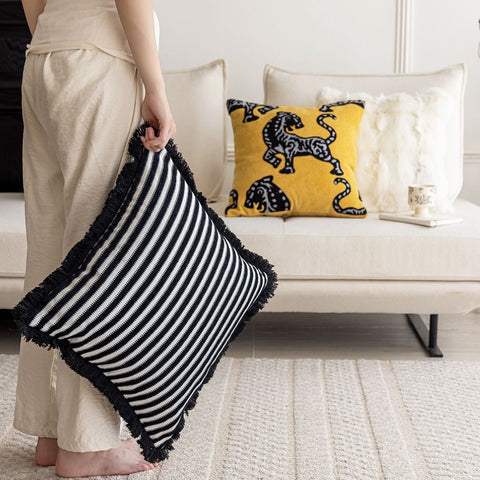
x=428, y=337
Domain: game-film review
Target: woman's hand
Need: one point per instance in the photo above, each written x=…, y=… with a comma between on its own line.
x=156, y=111
x=137, y=20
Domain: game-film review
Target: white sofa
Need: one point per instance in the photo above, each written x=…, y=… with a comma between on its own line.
x=328, y=265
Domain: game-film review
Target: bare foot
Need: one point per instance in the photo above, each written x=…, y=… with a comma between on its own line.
x=129, y=443
x=116, y=461
x=46, y=451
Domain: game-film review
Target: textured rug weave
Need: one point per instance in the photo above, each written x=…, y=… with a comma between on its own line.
x=307, y=419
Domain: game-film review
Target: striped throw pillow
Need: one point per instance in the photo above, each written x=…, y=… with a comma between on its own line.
x=147, y=302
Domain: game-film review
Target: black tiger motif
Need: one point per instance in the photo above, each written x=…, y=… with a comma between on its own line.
x=278, y=137
x=234, y=204
x=347, y=191
x=268, y=196
x=328, y=106
x=249, y=107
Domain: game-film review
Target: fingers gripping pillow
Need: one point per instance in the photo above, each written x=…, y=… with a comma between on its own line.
x=146, y=303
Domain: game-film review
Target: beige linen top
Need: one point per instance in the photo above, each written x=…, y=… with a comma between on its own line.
x=79, y=24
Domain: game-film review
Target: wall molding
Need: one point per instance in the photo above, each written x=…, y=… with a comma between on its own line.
x=403, y=36
x=472, y=158
x=230, y=153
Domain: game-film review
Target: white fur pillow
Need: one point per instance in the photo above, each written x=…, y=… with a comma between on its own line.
x=402, y=141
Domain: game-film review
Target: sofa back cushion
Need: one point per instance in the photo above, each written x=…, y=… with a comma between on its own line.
x=197, y=100
x=282, y=86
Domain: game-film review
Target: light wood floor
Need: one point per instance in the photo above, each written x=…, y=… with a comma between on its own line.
x=354, y=336
x=370, y=336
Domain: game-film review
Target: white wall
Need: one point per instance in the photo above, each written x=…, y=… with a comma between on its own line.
x=330, y=36
x=448, y=35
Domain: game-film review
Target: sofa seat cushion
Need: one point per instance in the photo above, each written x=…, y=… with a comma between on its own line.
x=13, y=244
x=360, y=249
x=367, y=249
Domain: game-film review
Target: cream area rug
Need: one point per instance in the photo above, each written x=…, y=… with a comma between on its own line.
x=307, y=419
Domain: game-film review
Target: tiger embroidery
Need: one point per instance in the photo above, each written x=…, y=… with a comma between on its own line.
x=328, y=107
x=279, y=139
x=346, y=192
x=267, y=196
x=234, y=204
x=249, y=107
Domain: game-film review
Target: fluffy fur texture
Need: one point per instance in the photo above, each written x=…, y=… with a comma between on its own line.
x=402, y=141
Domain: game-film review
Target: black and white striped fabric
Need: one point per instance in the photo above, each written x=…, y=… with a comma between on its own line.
x=145, y=305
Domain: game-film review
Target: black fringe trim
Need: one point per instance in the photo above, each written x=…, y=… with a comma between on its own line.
x=81, y=252
x=79, y=256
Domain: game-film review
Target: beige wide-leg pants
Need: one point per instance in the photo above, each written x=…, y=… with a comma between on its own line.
x=80, y=108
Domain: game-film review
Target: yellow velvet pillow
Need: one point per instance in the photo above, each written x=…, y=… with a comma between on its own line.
x=295, y=160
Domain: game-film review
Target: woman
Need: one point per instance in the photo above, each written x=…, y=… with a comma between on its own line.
x=91, y=74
